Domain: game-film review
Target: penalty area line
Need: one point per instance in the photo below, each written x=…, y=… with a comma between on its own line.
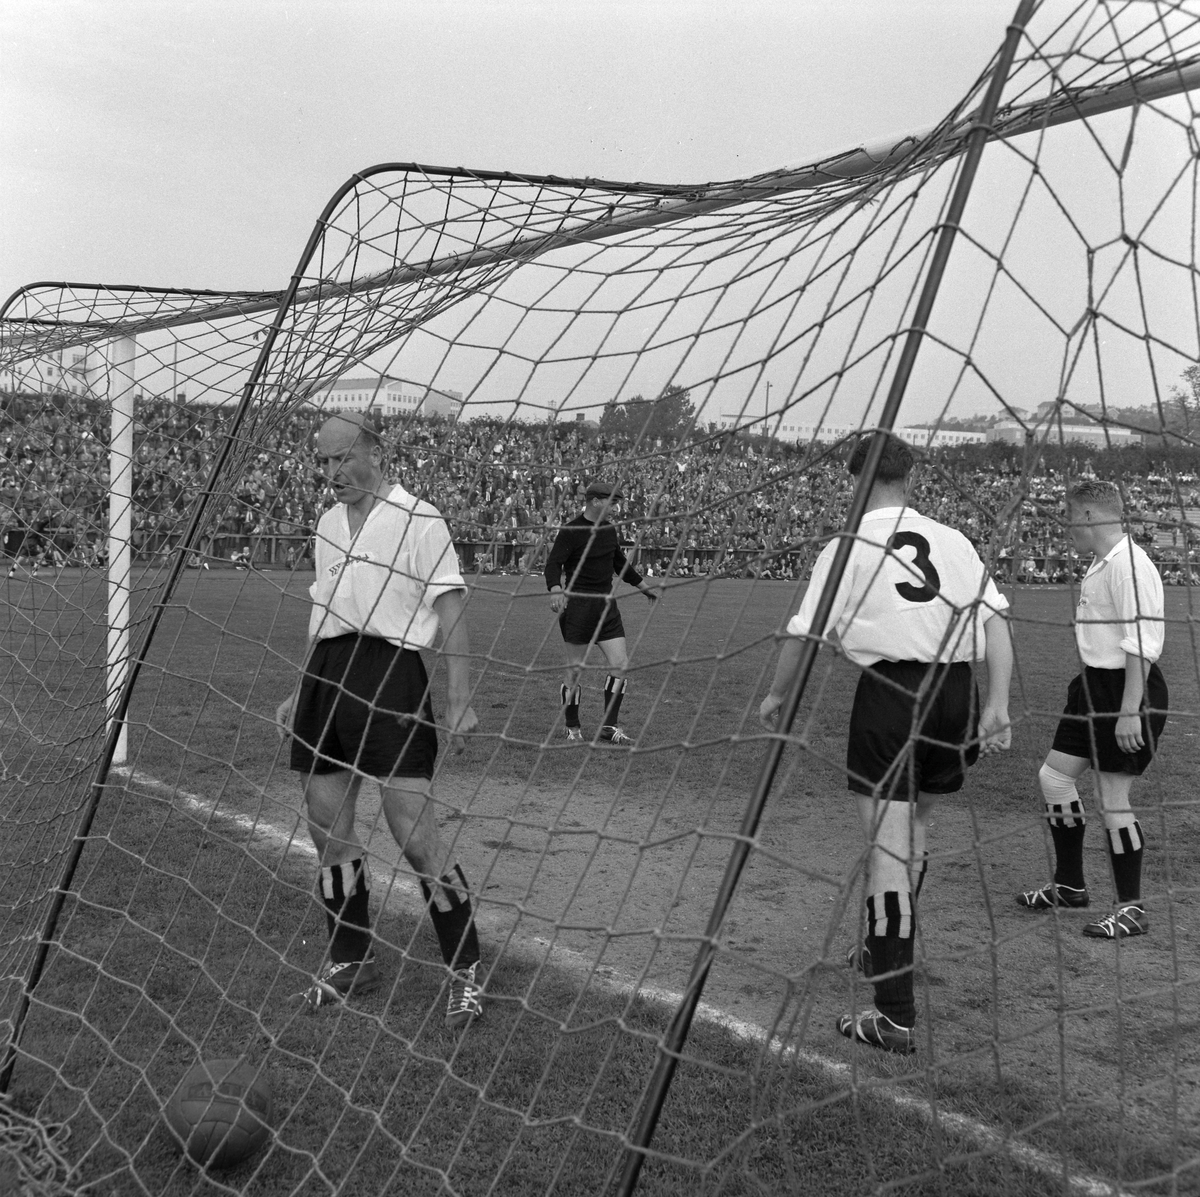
x=981, y=1133
x=985, y=1136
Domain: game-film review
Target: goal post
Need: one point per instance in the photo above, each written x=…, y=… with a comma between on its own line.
x=121, y=387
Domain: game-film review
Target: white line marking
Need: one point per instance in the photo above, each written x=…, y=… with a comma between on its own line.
x=969, y=1128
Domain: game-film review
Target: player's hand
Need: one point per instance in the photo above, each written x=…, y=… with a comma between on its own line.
x=1129, y=733
x=283, y=717
x=768, y=711
x=652, y=592
x=995, y=731
x=558, y=601
x=461, y=723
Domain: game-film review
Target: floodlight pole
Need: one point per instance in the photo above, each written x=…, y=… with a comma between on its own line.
x=671, y=1047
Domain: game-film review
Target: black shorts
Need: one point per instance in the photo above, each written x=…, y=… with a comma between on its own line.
x=1088, y=727
x=587, y=619
x=364, y=705
x=901, y=743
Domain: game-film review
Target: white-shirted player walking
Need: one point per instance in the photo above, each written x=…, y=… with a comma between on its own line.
x=387, y=579
x=915, y=608
x=1115, y=714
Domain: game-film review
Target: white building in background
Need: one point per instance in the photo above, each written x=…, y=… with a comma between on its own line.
x=74, y=371
x=788, y=430
x=939, y=438
x=387, y=396
x=1014, y=433
x=792, y=430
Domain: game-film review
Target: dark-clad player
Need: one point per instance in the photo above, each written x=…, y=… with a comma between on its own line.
x=387, y=580
x=580, y=571
x=1115, y=714
x=915, y=608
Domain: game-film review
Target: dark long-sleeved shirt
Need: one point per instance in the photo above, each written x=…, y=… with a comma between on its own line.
x=586, y=557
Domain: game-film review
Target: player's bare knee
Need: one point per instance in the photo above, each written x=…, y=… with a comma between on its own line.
x=1112, y=792
x=408, y=808
x=327, y=796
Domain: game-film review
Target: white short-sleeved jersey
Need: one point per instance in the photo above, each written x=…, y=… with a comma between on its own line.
x=1120, y=608
x=383, y=581
x=913, y=590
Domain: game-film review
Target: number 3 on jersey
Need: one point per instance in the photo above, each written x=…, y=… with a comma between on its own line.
x=933, y=581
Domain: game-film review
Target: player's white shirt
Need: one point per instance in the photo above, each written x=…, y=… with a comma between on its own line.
x=925, y=599
x=383, y=581
x=1120, y=608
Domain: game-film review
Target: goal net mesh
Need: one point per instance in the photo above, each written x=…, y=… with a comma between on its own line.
x=710, y=350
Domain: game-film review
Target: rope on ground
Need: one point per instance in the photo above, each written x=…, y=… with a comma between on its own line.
x=34, y=1148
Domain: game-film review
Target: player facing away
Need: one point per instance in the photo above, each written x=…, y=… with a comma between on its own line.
x=1115, y=714
x=915, y=608
x=387, y=580
x=584, y=561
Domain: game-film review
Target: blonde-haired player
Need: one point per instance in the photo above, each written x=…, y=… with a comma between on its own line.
x=1116, y=711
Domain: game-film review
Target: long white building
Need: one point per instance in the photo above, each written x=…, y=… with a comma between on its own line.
x=789, y=429
x=1090, y=434
x=387, y=396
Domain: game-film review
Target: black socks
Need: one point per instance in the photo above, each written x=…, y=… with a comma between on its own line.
x=570, y=696
x=1125, y=846
x=890, y=941
x=450, y=909
x=614, y=691
x=1067, y=829
x=344, y=890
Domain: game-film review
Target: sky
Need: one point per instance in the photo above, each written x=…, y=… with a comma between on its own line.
x=175, y=143
x=192, y=144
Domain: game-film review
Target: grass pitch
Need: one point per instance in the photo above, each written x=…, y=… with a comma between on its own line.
x=193, y=921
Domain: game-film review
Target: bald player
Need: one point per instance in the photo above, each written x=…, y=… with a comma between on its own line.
x=387, y=581
x=915, y=609
x=1115, y=714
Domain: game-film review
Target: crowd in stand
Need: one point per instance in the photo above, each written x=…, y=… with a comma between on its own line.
x=718, y=504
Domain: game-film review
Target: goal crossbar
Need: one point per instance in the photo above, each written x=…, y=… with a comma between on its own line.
x=661, y=203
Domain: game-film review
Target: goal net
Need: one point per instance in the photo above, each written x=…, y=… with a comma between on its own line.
x=663, y=965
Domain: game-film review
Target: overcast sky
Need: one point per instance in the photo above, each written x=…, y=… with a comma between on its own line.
x=192, y=144
x=181, y=143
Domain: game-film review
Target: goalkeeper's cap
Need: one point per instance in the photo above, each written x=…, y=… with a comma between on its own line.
x=602, y=490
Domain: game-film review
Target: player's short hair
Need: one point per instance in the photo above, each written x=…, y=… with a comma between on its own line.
x=895, y=465
x=1096, y=493
x=368, y=430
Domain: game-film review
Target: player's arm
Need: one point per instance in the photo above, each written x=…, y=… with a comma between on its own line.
x=626, y=573
x=785, y=671
x=1129, y=722
x=790, y=654
x=556, y=564
x=286, y=709
x=995, y=728
x=456, y=649
x=1142, y=639
x=650, y=590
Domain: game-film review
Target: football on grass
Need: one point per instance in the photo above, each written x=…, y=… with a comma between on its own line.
x=221, y=1112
